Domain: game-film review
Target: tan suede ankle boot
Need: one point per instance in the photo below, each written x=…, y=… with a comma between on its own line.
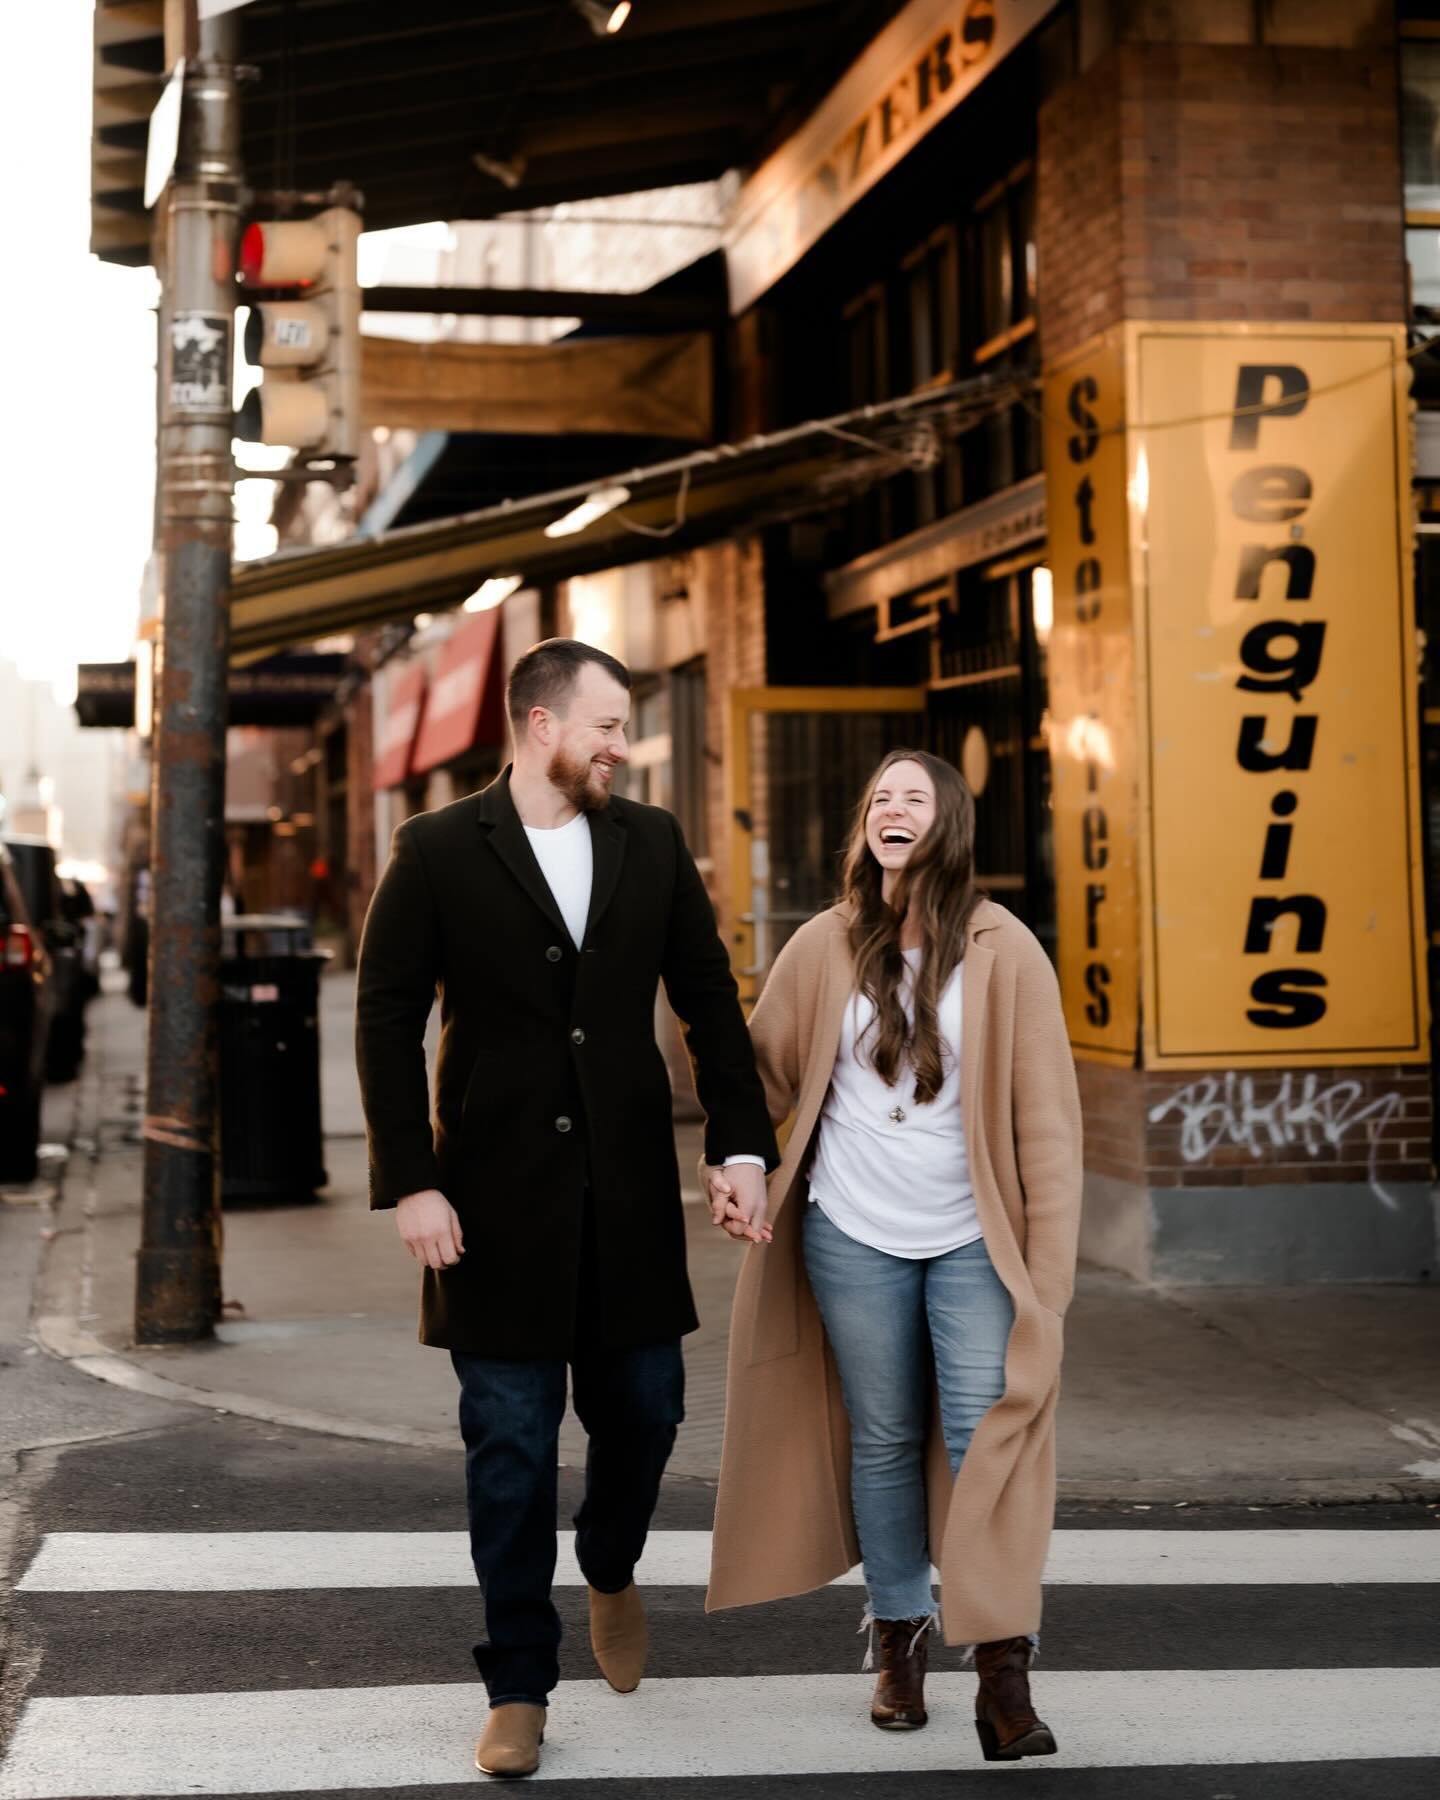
x=619, y=1637
x=510, y=1743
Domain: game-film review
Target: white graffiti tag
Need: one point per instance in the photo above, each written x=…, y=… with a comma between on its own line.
x=1225, y=1110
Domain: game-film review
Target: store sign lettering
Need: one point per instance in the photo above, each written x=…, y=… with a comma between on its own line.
x=1281, y=658
x=1286, y=924
x=1089, y=581
x=920, y=68
x=1091, y=724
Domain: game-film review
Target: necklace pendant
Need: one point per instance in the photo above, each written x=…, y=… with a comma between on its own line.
x=897, y=1113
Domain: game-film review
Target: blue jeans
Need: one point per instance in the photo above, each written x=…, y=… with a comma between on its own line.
x=891, y=1322
x=630, y=1402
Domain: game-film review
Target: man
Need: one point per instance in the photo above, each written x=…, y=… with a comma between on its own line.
x=544, y=1203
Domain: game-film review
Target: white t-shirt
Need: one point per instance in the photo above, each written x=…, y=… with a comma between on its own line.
x=888, y=1172
x=567, y=861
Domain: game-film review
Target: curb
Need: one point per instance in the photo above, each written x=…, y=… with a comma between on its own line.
x=64, y=1339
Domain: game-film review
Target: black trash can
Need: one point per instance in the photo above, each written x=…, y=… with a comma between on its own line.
x=272, y=1146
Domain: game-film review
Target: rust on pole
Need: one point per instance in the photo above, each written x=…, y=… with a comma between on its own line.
x=177, y=1293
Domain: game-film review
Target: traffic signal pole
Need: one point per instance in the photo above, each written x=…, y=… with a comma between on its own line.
x=177, y=1293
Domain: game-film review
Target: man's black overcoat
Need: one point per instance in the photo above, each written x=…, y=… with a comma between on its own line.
x=549, y=1075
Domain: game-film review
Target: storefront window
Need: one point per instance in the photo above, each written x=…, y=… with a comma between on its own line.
x=690, y=764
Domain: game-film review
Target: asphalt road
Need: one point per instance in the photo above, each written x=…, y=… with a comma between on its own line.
x=1204, y=1665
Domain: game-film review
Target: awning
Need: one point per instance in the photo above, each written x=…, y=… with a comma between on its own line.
x=301, y=595
x=649, y=386
x=434, y=109
x=395, y=740
x=466, y=703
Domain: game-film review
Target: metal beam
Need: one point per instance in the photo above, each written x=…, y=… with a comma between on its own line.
x=648, y=312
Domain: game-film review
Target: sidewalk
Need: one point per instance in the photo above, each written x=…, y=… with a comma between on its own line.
x=1250, y=1395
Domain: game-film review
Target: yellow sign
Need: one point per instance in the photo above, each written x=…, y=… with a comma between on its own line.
x=1092, y=702
x=1283, y=911
x=920, y=67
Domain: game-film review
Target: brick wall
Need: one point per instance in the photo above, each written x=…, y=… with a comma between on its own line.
x=1261, y=1127
x=1203, y=181
x=728, y=580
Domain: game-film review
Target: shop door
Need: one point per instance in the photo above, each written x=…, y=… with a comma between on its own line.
x=796, y=761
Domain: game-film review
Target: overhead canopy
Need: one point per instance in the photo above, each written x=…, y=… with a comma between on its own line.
x=401, y=100
x=287, y=690
x=301, y=595
x=648, y=386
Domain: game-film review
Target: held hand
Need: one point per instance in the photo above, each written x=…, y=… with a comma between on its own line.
x=738, y=1202
x=430, y=1227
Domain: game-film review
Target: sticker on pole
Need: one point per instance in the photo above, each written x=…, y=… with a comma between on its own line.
x=200, y=362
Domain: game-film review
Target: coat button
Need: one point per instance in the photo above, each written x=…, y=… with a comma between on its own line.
x=562, y=1123
x=577, y=1036
x=554, y=953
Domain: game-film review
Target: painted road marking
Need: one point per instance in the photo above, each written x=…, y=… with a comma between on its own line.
x=401, y=1737
x=238, y=1561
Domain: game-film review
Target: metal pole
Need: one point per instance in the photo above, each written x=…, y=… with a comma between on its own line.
x=177, y=1290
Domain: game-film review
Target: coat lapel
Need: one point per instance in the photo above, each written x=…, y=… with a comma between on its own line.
x=607, y=846
x=501, y=824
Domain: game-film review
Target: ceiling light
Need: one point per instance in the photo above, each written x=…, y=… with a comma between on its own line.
x=592, y=507
x=491, y=592
x=509, y=173
x=602, y=16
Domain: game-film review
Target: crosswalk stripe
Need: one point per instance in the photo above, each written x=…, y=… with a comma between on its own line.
x=399, y=1737
x=238, y=1561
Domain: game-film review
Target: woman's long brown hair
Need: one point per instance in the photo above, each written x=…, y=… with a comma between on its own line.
x=938, y=884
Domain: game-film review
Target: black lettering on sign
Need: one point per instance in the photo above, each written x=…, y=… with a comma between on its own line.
x=1084, y=504
x=1280, y=658
x=1284, y=672
x=1087, y=591
x=1276, y=859
x=934, y=73
x=1266, y=912
x=857, y=159
x=1283, y=1004
x=1097, y=986
x=977, y=31
x=1094, y=900
x=1252, y=755
x=1299, y=562
x=1086, y=389
x=1253, y=389
x=1096, y=838
x=1270, y=494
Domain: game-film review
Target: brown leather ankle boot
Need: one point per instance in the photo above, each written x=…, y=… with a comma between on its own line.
x=1004, y=1717
x=899, y=1699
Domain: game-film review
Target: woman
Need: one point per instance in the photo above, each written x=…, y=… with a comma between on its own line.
x=920, y=1246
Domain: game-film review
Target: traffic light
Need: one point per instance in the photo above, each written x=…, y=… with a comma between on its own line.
x=309, y=347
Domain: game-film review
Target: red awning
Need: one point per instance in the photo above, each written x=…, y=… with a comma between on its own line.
x=396, y=738
x=466, y=704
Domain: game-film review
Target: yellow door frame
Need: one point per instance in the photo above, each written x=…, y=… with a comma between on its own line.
x=744, y=704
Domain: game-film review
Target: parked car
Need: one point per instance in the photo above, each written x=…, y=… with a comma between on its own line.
x=35, y=869
x=27, y=1000
x=80, y=911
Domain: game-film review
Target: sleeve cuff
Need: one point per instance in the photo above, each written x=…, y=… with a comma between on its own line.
x=757, y=1161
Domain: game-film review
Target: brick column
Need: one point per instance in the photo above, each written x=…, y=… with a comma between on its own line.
x=1237, y=181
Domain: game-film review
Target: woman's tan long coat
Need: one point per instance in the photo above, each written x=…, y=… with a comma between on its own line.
x=783, y=1521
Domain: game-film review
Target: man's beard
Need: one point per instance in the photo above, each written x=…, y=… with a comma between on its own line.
x=578, y=783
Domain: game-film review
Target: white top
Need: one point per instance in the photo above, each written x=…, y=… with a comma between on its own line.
x=567, y=861
x=900, y=1184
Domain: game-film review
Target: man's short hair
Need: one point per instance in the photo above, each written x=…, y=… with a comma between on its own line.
x=546, y=675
